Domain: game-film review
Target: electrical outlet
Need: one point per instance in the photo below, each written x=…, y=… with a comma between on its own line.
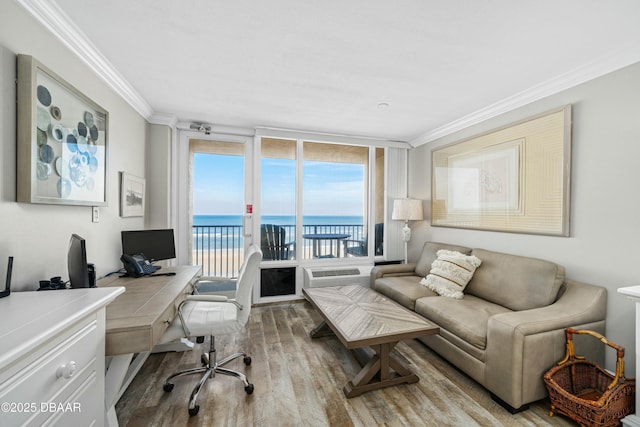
x=95, y=214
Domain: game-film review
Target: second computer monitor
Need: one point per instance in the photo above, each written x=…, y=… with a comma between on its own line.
x=156, y=245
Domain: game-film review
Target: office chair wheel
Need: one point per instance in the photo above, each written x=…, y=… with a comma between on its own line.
x=247, y=360
x=194, y=411
x=167, y=387
x=249, y=388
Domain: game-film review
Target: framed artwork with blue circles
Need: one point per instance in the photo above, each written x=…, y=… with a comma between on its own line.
x=62, y=140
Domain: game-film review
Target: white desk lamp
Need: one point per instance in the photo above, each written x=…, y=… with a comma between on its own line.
x=407, y=210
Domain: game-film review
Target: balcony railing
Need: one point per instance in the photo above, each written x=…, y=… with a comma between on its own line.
x=219, y=248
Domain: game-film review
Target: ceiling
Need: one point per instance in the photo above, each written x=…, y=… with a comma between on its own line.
x=405, y=70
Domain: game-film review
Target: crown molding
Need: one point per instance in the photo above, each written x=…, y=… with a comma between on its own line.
x=49, y=14
x=612, y=62
x=163, y=119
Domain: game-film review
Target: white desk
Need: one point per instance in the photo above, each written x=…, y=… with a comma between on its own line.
x=633, y=293
x=52, y=347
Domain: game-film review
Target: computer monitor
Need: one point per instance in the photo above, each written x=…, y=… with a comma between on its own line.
x=77, y=263
x=156, y=245
x=7, y=283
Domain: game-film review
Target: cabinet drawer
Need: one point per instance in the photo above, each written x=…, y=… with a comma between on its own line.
x=80, y=409
x=163, y=322
x=168, y=316
x=55, y=374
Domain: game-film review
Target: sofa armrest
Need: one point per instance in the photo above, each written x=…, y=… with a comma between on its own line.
x=380, y=271
x=580, y=303
x=523, y=345
x=393, y=270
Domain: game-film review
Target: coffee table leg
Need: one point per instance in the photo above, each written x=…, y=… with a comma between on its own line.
x=322, y=330
x=380, y=366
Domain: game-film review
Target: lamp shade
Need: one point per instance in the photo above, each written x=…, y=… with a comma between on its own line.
x=407, y=209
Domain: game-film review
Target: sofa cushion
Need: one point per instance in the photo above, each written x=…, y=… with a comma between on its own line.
x=450, y=273
x=465, y=318
x=429, y=254
x=403, y=289
x=516, y=282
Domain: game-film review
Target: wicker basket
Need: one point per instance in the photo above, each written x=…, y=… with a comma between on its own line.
x=585, y=392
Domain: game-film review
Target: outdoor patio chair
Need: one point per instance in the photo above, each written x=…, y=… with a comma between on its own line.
x=361, y=246
x=273, y=243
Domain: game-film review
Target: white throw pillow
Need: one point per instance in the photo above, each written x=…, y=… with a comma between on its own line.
x=450, y=273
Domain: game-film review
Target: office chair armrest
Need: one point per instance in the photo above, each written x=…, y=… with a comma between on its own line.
x=213, y=298
x=201, y=298
x=207, y=298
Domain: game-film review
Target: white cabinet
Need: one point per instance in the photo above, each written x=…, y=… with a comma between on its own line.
x=633, y=293
x=52, y=357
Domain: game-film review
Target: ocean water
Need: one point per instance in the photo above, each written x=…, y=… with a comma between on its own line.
x=224, y=231
x=218, y=220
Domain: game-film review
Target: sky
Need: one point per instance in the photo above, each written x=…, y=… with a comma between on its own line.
x=329, y=188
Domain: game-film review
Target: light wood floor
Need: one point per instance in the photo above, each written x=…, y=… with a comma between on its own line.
x=298, y=382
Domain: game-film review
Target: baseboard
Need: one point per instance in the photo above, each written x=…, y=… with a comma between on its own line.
x=508, y=407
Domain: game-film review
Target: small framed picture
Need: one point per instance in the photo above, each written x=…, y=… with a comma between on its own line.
x=131, y=195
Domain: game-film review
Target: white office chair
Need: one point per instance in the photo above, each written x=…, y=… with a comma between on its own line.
x=213, y=315
x=217, y=285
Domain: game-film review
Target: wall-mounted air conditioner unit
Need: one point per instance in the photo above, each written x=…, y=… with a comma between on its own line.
x=315, y=277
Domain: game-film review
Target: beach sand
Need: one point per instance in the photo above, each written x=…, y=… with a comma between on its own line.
x=218, y=263
x=226, y=263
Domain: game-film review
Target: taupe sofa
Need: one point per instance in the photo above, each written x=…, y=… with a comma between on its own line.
x=508, y=330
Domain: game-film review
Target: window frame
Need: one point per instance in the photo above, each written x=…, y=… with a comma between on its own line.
x=301, y=138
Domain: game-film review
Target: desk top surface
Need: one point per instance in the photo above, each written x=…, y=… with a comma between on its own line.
x=146, y=298
x=146, y=302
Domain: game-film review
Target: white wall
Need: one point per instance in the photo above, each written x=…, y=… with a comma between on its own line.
x=158, y=184
x=605, y=196
x=38, y=235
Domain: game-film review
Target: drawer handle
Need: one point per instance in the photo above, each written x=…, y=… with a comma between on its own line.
x=66, y=371
x=168, y=321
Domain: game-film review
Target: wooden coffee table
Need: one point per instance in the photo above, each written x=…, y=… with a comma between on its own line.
x=361, y=318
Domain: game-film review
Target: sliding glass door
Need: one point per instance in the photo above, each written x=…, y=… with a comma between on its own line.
x=218, y=206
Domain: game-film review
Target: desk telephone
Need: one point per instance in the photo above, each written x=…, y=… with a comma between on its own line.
x=137, y=265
